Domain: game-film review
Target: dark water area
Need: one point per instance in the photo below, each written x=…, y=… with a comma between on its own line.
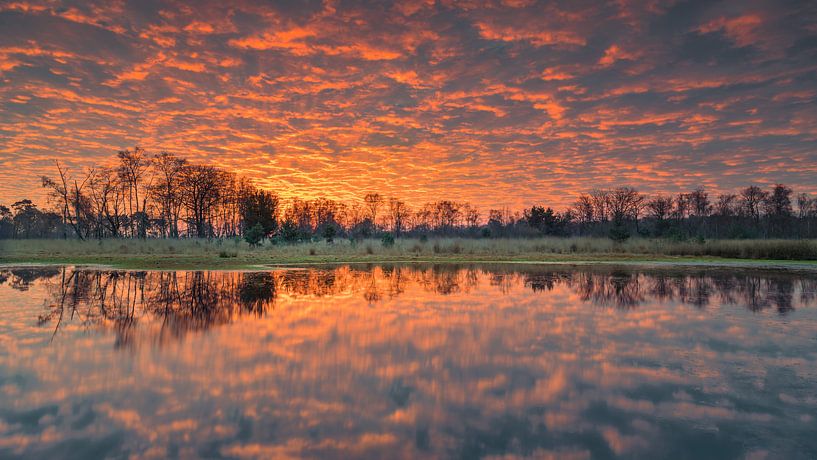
x=408, y=362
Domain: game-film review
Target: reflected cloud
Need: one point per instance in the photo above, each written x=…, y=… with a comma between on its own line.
x=404, y=361
x=196, y=300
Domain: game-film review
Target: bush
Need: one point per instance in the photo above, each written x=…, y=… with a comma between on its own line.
x=675, y=234
x=329, y=233
x=254, y=235
x=619, y=233
x=388, y=240
x=289, y=231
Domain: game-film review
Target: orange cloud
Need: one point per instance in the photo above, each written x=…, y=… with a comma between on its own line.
x=536, y=36
x=741, y=29
x=289, y=39
x=421, y=100
x=613, y=54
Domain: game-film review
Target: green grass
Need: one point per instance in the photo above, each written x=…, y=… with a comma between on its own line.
x=206, y=254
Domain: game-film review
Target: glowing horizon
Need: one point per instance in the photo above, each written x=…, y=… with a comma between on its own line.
x=504, y=104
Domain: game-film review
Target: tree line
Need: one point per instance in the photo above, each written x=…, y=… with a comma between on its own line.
x=166, y=196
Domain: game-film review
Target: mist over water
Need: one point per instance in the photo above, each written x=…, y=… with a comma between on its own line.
x=408, y=361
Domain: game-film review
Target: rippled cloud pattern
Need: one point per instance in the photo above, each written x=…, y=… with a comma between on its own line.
x=419, y=99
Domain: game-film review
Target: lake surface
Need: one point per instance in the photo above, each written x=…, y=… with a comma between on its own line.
x=407, y=362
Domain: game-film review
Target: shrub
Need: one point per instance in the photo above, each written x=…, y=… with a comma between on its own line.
x=388, y=240
x=675, y=234
x=619, y=233
x=289, y=231
x=254, y=235
x=329, y=233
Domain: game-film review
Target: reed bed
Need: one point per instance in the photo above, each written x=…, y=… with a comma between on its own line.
x=433, y=248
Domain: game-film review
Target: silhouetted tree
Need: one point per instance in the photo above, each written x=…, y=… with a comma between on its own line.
x=699, y=203
x=6, y=222
x=660, y=209
x=752, y=198
x=200, y=188
x=133, y=165
x=165, y=191
x=546, y=221
x=68, y=193
x=146, y=196
x=778, y=202
x=289, y=231
x=107, y=195
x=727, y=205
x=259, y=207
x=398, y=214
x=373, y=202
x=253, y=235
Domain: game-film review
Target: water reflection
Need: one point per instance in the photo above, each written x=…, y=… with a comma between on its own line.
x=408, y=361
x=190, y=301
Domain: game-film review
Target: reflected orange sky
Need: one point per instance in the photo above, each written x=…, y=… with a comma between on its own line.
x=409, y=361
x=424, y=100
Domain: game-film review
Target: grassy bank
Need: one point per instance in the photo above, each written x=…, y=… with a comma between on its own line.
x=191, y=253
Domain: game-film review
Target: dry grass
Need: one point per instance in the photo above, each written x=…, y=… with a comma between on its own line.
x=435, y=248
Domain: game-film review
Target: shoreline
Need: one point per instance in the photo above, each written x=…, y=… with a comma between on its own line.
x=194, y=254
x=264, y=264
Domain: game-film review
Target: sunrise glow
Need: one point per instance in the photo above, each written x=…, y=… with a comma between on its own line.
x=502, y=103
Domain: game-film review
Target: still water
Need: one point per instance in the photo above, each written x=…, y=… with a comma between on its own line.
x=407, y=362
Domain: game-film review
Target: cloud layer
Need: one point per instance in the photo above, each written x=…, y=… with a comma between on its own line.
x=534, y=101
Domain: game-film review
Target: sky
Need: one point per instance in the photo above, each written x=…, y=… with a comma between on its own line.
x=502, y=104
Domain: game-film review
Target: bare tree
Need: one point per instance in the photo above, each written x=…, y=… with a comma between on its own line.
x=601, y=204
x=446, y=214
x=584, y=209
x=471, y=215
x=398, y=213
x=68, y=193
x=107, y=195
x=133, y=165
x=373, y=202
x=752, y=198
x=778, y=202
x=625, y=203
x=200, y=188
x=805, y=204
x=682, y=206
x=699, y=203
x=726, y=206
x=660, y=207
x=165, y=192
